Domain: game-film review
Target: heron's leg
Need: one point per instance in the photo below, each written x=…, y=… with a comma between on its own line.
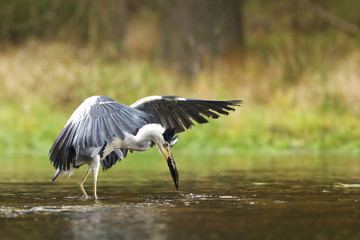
x=81, y=183
x=95, y=166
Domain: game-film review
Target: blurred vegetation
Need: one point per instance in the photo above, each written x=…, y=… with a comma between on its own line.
x=295, y=66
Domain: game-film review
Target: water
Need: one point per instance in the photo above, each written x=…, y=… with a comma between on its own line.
x=226, y=197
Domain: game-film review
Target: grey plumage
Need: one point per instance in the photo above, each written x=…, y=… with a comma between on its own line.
x=102, y=131
x=96, y=121
x=100, y=119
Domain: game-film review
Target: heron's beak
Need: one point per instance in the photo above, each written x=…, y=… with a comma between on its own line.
x=172, y=166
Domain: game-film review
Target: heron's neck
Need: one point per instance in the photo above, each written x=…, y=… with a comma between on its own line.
x=139, y=142
x=146, y=135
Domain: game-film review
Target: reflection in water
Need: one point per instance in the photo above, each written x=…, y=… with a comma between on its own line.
x=127, y=221
x=262, y=198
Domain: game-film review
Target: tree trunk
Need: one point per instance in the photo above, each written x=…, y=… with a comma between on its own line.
x=195, y=31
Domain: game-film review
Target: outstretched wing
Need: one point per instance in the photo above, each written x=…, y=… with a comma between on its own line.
x=179, y=113
x=97, y=120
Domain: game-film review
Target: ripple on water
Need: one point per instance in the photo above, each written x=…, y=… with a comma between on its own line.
x=91, y=207
x=43, y=209
x=204, y=196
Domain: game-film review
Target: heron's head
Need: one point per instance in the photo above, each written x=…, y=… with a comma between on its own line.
x=164, y=144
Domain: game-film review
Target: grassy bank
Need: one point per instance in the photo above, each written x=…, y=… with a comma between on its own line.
x=317, y=110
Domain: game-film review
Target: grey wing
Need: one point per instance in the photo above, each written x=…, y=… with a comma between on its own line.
x=96, y=121
x=179, y=113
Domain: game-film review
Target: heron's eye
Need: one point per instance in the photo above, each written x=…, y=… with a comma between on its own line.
x=166, y=145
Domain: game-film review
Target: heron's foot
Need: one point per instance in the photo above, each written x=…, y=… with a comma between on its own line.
x=183, y=195
x=85, y=197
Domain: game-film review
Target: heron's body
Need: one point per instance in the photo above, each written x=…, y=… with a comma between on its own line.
x=101, y=131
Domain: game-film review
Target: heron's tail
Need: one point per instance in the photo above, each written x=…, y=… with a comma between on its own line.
x=58, y=171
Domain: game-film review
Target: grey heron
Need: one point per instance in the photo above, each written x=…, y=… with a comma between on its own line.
x=102, y=131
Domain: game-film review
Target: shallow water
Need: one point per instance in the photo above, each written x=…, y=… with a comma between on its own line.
x=225, y=197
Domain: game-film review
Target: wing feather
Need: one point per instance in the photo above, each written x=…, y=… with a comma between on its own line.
x=96, y=121
x=175, y=119
x=187, y=123
x=179, y=113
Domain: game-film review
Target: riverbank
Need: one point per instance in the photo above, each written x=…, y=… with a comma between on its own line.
x=43, y=83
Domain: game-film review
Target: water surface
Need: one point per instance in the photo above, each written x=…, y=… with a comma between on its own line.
x=226, y=197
